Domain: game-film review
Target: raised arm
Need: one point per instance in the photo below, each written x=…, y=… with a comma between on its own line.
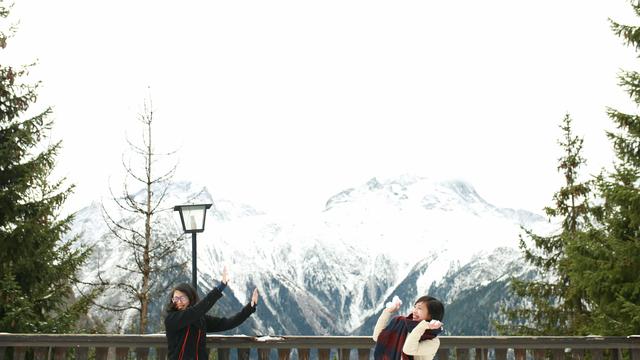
x=215, y=324
x=180, y=319
x=384, y=318
x=183, y=318
x=382, y=323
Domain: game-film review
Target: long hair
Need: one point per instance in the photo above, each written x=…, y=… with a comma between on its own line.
x=188, y=290
x=435, y=307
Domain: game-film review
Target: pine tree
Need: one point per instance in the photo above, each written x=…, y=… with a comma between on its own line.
x=608, y=260
x=37, y=269
x=551, y=303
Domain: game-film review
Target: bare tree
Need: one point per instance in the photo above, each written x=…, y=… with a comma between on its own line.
x=151, y=255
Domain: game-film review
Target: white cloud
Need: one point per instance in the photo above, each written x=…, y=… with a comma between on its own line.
x=284, y=103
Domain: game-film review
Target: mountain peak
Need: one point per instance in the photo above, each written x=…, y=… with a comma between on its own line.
x=374, y=184
x=408, y=186
x=463, y=189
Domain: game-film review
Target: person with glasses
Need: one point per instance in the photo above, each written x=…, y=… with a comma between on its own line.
x=187, y=322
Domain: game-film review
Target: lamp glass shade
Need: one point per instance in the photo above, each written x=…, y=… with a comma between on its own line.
x=192, y=217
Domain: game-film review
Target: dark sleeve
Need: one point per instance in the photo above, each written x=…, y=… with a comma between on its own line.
x=180, y=319
x=215, y=324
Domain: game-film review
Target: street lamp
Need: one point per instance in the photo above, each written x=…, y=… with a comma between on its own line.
x=192, y=218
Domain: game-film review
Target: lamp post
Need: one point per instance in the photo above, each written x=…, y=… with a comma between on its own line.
x=192, y=218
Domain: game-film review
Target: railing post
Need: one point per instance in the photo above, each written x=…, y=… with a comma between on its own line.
x=577, y=354
x=263, y=354
x=520, y=354
x=363, y=354
x=303, y=354
x=481, y=354
x=323, y=354
x=19, y=353
x=558, y=354
x=538, y=354
x=40, y=353
x=244, y=354
x=596, y=354
x=501, y=354
x=283, y=354
x=122, y=353
x=343, y=354
x=223, y=354
x=102, y=353
x=142, y=353
x=635, y=354
x=82, y=353
x=60, y=353
x=462, y=354
x=161, y=353
x=443, y=354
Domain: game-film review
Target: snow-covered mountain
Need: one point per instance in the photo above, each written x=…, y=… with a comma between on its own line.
x=332, y=273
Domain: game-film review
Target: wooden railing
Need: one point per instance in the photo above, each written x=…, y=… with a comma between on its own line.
x=143, y=347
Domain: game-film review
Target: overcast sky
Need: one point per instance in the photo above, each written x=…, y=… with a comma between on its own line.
x=282, y=104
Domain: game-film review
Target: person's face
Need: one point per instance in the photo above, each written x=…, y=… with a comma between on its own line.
x=180, y=300
x=421, y=312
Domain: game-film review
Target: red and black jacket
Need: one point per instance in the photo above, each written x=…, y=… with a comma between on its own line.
x=186, y=329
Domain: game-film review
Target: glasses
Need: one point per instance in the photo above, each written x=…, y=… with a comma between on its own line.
x=175, y=299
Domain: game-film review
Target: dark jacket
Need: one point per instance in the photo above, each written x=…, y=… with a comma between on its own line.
x=186, y=329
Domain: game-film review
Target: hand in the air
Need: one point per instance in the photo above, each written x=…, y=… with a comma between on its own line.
x=225, y=275
x=434, y=324
x=393, y=305
x=254, y=297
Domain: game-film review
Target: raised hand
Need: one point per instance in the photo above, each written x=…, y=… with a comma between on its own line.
x=254, y=297
x=393, y=308
x=434, y=324
x=393, y=305
x=225, y=275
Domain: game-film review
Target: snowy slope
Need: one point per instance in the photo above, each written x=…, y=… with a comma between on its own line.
x=331, y=274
